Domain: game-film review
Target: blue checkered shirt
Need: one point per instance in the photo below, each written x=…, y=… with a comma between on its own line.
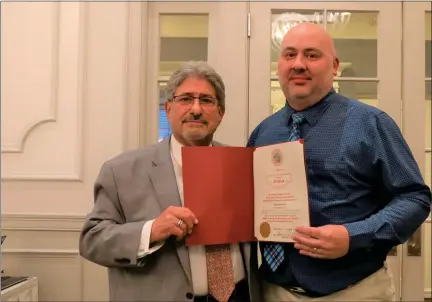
x=361, y=174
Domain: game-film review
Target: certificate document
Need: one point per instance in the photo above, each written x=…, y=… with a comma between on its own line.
x=241, y=194
x=280, y=191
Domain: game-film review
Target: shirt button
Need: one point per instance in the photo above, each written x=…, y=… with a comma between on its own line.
x=189, y=295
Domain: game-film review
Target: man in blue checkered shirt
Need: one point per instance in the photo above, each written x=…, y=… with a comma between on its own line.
x=366, y=193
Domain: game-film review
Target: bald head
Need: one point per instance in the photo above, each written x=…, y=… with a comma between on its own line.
x=310, y=31
x=307, y=65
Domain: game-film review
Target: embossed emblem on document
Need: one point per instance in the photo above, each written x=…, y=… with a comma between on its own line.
x=277, y=157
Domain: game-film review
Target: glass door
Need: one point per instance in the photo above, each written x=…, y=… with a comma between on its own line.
x=367, y=38
x=416, y=259
x=184, y=31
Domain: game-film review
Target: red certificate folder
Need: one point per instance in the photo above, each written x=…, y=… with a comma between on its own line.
x=218, y=189
x=241, y=194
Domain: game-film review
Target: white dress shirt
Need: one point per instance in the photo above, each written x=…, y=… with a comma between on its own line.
x=197, y=254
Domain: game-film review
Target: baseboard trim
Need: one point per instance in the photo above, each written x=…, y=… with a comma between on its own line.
x=42, y=222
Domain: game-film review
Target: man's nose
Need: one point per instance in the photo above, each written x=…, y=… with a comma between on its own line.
x=196, y=107
x=299, y=63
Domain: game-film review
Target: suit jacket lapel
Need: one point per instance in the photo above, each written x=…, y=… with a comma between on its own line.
x=164, y=182
x=163, y=177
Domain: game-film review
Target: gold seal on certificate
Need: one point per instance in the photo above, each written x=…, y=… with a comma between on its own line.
x=265, y=229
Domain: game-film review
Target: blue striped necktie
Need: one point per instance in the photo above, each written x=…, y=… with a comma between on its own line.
x=274, y=252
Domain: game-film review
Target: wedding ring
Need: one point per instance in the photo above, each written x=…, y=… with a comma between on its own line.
x=180, y=222
x=315, y=250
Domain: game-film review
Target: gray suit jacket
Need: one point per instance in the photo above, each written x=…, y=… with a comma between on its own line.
x=131, y=189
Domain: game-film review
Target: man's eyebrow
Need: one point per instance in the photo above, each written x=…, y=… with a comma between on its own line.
x=192, y=93
x=313, y=49
x=291, y=48
x=288, y=48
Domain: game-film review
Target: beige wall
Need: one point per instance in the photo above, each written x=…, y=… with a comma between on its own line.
x=69, y=80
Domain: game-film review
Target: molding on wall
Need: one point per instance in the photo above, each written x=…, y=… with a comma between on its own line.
x=38, y=222
x=428, y=293
x=43, y=177
x=44, y=253
x=18, y=146
x=134, y=75
x=81, y=82
x=78, y=167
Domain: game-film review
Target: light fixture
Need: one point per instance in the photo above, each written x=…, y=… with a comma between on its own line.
x=285, y=21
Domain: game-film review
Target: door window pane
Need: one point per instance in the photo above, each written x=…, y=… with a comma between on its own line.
x=428, y=177
x=428, y=48
x=354, y=34
x=428, y=133
x=355, y=38
x=277, y=96
x=182, y=38
x=428, y=114
x=365, y=92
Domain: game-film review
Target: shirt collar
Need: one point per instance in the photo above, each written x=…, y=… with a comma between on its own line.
x=312, y=114
x=175, y=147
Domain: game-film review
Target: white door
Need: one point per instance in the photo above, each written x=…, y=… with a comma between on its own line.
x=202, y=31
x=417, y=65
x=368, y=39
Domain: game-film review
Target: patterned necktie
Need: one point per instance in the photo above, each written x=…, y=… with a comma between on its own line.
x=297, y=119
x=220, y=272
x=274, y=252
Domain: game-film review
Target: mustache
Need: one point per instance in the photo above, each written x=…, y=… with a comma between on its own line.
x=194, y=119
x=299, y=73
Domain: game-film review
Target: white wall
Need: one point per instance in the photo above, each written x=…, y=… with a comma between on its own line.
x=69, y=79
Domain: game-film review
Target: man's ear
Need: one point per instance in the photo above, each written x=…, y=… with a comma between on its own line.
x=167, y=106
x=221, y=113
x=335, y=66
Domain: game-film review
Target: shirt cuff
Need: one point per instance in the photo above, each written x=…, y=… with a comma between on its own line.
x=144, y=248
x=359, y=237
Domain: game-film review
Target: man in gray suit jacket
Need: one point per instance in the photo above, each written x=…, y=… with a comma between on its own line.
x=138, y=223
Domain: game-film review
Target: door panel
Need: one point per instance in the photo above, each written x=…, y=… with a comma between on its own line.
x=417, y=130
x=179, y=32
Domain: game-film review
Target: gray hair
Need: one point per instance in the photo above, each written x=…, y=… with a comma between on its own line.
x=200, y=70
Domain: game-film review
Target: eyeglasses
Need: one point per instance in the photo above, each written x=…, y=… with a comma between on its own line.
x=187, y=100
